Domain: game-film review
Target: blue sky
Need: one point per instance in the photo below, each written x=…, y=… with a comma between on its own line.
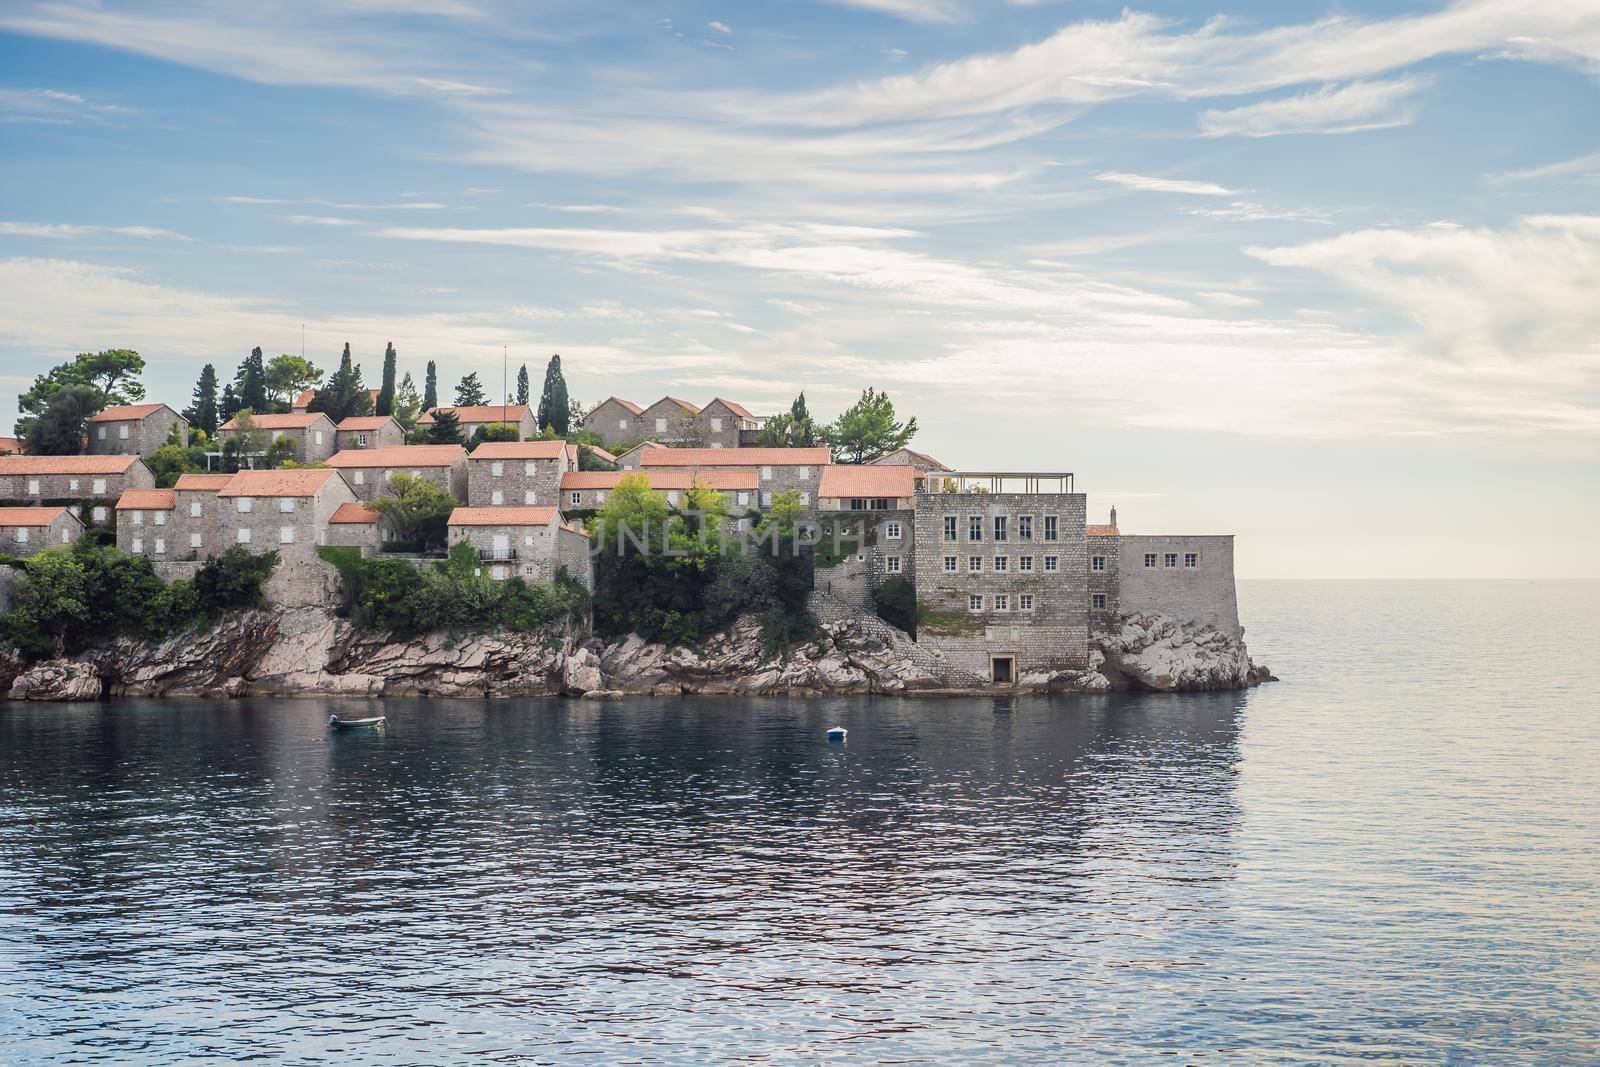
x=1325, y=276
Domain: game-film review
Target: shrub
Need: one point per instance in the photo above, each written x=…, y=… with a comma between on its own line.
x=232, y=581
x=896, y=602
x=418, y=510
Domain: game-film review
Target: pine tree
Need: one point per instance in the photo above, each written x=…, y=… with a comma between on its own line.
x=446, y=428
x=554, y=409
x=469, y=393
x=202, y=413
x=407, y=404
x=430, y=388
x=522, y=385
x=386, y=394
x=345, y=394
x=250, y=384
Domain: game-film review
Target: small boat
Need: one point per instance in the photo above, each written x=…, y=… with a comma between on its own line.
x=374, y=723
x=837, y=733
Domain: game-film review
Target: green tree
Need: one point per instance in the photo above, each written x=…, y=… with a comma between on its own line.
x=288, y=377
x=62, y=428
x=202, y=410
x=167, y=463
x=495, y=431
x=50, y=606
x=250, y=383
x=407, y=404
x=469, y=392
x=445, y=429
x=430, y=388
x=345, y=394
x=791, y=429
x=633, y=514
x=229, y=405
x=251, y=438
x=555, y=410
x=385, y=404
x=233, y=580
x=112, y=374
x=418, y=510
x=522, y=384
x=868, y=430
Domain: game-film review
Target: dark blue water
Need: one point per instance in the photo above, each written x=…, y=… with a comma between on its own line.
x=1393, y=855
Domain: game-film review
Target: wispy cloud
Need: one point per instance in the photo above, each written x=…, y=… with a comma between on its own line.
x=1145, y=184
x=718, y=27
x=1585, y=166
x=915, y=10
x=321, y=220
x=401, y=205
x=1369, y=105
x=70, y=230
x=55, y=106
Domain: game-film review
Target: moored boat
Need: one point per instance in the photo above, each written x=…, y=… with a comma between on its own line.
x=374, y=723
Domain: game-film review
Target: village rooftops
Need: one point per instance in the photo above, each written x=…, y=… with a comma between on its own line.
x=502, y=516
x=661, y=479
x=102, y=464
x=364, y=422
x=278, y=483
x=278, y=421
x=684, y=404
x=596, y=450
x=738, y=409
x=203, y=482
x=126, y=412
x=147, y=500
x=484, y=413
x=30, y=516
x=10, y=446
x=974, y=482
x=353, y=513
x=520, y=450
x=1099, y=530
x=398, y=456
x=844, y=481
x=735, y=457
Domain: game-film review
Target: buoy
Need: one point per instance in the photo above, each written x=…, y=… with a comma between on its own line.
x=837, y=733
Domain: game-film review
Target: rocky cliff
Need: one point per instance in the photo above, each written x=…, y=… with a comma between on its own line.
x=308, y=650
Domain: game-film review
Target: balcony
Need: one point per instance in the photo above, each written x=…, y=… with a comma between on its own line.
x=992, y=482
x=497, y=555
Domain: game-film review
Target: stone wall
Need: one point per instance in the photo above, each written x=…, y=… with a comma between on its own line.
x=1104, y=582
x=521, y=483
x=1202, y=593
x=369, y=483
x=144, y=435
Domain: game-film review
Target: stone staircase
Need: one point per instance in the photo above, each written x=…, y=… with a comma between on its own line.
x=830, y=609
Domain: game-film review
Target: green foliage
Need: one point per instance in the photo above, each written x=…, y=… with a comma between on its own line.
x=495, y=431
x=50, y=609
x=112, y=376
x=385, y=405
x=868, y=430
x=232, y=581
x=555, y=408
x=407, y=404
x=791, y=429
x=418, y=510
x=167, y=463
x=250, y=438
x=280, y=453
x=469, y=392
x=445, y=428
x=945, y=623
x=345, y=394
x=896, y=603
x=202, y=411
x=250, y=383
x=288, y=377
x=229, y=405
x=430, y=388
x=523, y=384
x=63, y=426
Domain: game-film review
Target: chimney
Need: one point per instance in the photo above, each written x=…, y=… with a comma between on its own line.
x=1113, y=517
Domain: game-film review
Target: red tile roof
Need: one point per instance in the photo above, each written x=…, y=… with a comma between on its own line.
x=661, y=479
x=602, y=453
x=486, y=413
x=306, y=397
x=66, y=464
x=893, y=459
x=304, y=482
x=735, y=457
x=211, y=482
x=502, y=516
x=1100, y=530
x=278, y=421
x=10, y=446
x=147, y=500
x=844, y=480
x=366, y=422
x=31, y=516
x=357, y=513
x=684, y=404
x=125, y=412
x=737, y=409
x=630, y=405
x=520, y=450
x=398, y=456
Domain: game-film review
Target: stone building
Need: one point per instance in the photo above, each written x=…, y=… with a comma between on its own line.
x=1001, y=571
x=586, y=491
x=1187, y=576
x=616, y=420
x=136, y=429
x=195, y=514
x=906, y=457
x=1104, y=570
x=633, y=457
x=777, y=469
x=279, y=510
x=530, y=543
x=145, y=525
x=358, y=526
x=369, y=431
x=674, y=422
x=725, y=424
x=24, y=531
x=872, y=509
x=312, y=433
x=473, y=419
x=518, y=473
x=98, y=480
x=367, y=470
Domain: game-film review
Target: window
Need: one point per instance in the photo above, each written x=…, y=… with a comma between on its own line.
x=528, y=497
x=21, y=536
x=744, y=500
x=66, y=537
x=497, y=498
x=1049, y=527
x=577, y=498
x=766, y=474
x=999, y=527
x=1051, y=564
x=160, y=517
x=1024, y=601
x=716, y=425
x=33, y=486
x=949, y=527
x=361, y=478
x=892, y=564
x=672, y=496
x=527, y=540
x=974, y=602
x=286, y=535
x=661, y=426
x=194, y=509
x=1002, y=602
x=1097, y=563
x=361, y=440
x=975, y=528
x=716, y=444
x=1170, y=560
x=319, y=437
x=242, y=504
x=766, y=499
x=102, y=433
x=1098, y=600
x=99, y=514
x=161, y=546
x=136, y=517
x=1025, y=564
x=622, y=424
x=949, y=564
x=1191, y=559
x=529, y=467
x=138, y=544
x=974, y=564
x=286, y=506
x=1149, y=559
x=244, y=535
x=1001, y=564
x=600, y=496
x=805, y=498
x=805, y=472
x=891, y=531
x=72, y=485
x=194, y=540
x=497, y=468
x=99, y=487
x=122, y=432
x=1024, y=527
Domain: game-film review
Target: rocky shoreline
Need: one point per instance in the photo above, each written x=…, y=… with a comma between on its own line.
x=310, y=651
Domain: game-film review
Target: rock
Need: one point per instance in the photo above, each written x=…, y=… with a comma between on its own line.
x=580, y=672
x=1157, y=652
x=58, y=679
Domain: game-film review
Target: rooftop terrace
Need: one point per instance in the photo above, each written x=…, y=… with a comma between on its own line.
x=1034, y=482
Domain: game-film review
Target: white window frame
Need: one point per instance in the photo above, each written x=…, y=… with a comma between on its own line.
x=161, y=546
x=529, y=467
x=1097, y=563
x=1024, y=564
x=951, y=565
x=1051, y=528
x=951, y=528
x=122, y=432
x=160, y=517
x=136, y=517
x=99, y=487
x=360, y=478
x=1191, y=560
x=243, y=505
x=891, y=531
x=497, y=498
x=974, y=564
x=974, y=527
x=1002, y=602
x=975, y=602
x=286, y=535
x=1149, y=561
x=1002, y=529
x=891, y=564
x=195, y=540
x=138, y=545
x=101, y=432
x=243, y=535
x=497, y=468
x=286, y=505
x=528, y=497
x=1024, y=601
x=1097, y=601
x=1169, y=561
x=1052, y=564
x=1002, y=565
x=196, y=509
x=1024, y=527
x=766, y=474
x=576, y=498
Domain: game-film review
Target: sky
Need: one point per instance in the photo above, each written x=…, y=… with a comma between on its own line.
x=1323, y=276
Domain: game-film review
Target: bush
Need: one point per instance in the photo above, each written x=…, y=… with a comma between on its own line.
x=232, y=581
x=896, y=602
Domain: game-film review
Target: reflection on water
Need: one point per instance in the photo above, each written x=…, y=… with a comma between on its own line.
x=1323, y=869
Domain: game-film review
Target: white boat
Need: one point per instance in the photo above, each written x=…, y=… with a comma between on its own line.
x=377, y=722
x=837, y=733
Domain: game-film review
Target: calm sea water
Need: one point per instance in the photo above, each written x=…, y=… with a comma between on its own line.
x=1392, y=855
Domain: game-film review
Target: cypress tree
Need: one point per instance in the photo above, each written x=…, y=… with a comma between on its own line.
x=250, y=384
x=522, y=385
x=430, y=388
x=386, y=395
x=345, y=394
x=469, y=392
x=229, y=405
x=554, y=408
x=202, y=412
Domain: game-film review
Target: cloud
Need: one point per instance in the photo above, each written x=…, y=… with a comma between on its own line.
x=403, y=205
x=69, y=230
x=454, y=88
x=914, y=10
x=321, y=220
x=718, y=27
x=1250, y=211
x=894, y=55
x=54, y=106
x=1143, y=184
x=1585, y=166
x=1344, y=109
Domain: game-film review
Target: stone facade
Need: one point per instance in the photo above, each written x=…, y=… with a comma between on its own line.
x=906, y=457
x=24, y=531
x=283, y=511
x=145, y=525
x=195, y=515
x=1187, y=577
x=777, y=469
x=367, y=470
x=673, y=422
x=134, y=429
x=633, y=458
x=726, y=424
x=518, y=474
x=584, y=491
x=1105, y=569
x=313, y=434
x=530, y=543
x=369, y=431
x=100, y=480
x=473, y=419
x=358, y=526
x=617, y=421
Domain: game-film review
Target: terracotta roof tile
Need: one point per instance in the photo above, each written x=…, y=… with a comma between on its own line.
x=278, y=421
x=519, y=450
x=735, y=457
x=278, y=483
x=31, y=516
x=843, y=480
x=366, y=422
x=147, y=500
x=125, y=412
x=630, y=405
x=1100, y=530
x=354, y=513
x=662, y=479
x=737, y=409
x=397, y=456
x=66, y=464
x=485, y=413
x=502, y=516
x=602, y=453
x=211, y=482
